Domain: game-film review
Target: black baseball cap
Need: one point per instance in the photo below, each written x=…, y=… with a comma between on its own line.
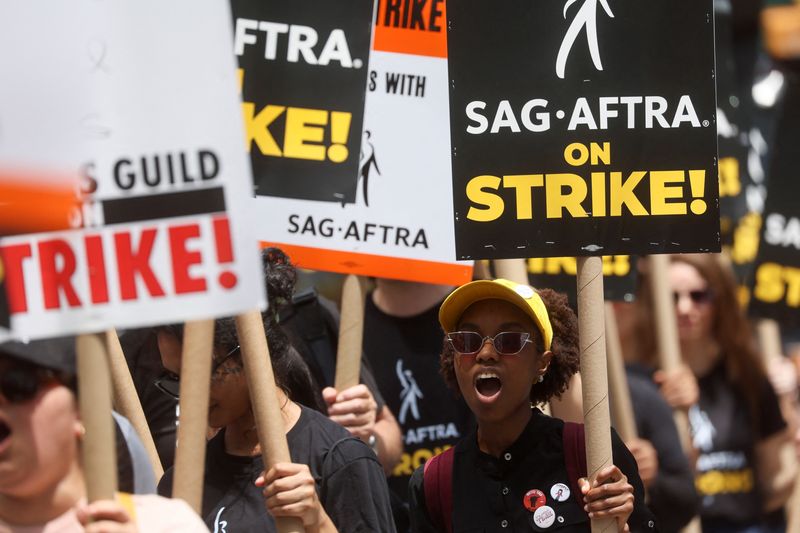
x=57, y=353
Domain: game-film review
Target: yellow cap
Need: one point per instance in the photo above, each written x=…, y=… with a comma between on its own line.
x=522, y=296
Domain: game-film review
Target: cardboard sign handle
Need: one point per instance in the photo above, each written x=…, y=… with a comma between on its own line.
x=669, y=351
x=621, y=406
x=596, y=415
x=99, y=448
x=515, y=270
x=264, y=399
x=351, y=333
x=126, y=400
x=190, y=455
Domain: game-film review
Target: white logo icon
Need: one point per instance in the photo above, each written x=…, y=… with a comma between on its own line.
x=220, y=526
x=544, y=516
x=559, y=492
x=409, y=395
x=586, y=16
x=703, y=431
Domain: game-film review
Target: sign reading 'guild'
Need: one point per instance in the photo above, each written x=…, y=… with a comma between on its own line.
x=583, y=127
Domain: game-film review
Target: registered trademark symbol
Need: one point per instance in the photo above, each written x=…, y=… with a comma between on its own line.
x=706, y=123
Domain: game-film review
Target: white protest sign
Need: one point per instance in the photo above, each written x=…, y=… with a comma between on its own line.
x=162, y=235
x=397, y=226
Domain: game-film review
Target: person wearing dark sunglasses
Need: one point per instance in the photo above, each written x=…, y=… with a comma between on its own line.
x=508, y=348
x=737, y=421
x=41, y=481
x=334, y=481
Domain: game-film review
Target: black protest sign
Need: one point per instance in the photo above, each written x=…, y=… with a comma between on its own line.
x=776, y=280
x=303, y=74
x=582, y=127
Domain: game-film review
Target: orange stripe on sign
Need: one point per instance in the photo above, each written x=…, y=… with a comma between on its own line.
x=403, y=29
x=27, y=207
x=376, y=265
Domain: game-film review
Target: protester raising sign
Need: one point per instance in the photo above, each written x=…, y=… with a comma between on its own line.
x=384, y=219
x=582, y=127
x=160, y=236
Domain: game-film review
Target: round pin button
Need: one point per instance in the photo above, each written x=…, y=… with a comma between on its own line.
x=559, y=492
x=534, y=499
x=544, y=516
x=524, y=291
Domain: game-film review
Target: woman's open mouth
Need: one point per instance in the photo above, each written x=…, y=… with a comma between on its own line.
x=488, y=385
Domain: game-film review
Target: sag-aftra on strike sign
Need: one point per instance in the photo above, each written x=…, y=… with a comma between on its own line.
x=583, y=127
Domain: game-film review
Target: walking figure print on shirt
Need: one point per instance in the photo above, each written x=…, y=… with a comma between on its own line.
x=586, y=16
x=409, y=394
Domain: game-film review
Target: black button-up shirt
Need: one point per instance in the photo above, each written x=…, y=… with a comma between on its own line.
x=489, y=492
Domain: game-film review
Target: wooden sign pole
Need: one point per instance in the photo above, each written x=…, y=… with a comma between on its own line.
x=621, y=406
x=190, y=455
x=264, y=398
x=351, y=333
x=596, y=415
x=94, y=400
x=126, y=400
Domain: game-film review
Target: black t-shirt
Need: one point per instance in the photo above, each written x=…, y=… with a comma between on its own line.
x=350, y=481
x=489, y=492
x=404, y=353
x=311, y=322
x=725, y=436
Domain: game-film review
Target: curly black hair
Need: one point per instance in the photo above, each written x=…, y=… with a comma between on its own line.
x=566, y=350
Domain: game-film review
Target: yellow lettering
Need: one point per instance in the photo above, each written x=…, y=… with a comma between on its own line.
x=598, y=194
x=622, y=194
x=523, y=185
x=256, y=127
x=769, y=283
x=302, y=127
x=792, y=277
x=661, y=191
x=536, y=265
x=557, y=265
x=557, y=201
x=403, y=468
x=493, y=204
x=600, y=153
x=729, y=182
x=582, y=157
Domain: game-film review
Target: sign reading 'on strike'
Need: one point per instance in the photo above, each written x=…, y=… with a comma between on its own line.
x=583, y=127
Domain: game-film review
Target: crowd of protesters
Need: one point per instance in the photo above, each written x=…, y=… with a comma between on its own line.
x=448, y=428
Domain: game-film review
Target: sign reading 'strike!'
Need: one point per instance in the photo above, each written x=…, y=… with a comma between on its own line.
x=583, y=127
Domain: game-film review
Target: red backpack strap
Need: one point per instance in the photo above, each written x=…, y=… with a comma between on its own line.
x=575, y=456
x=437, y=480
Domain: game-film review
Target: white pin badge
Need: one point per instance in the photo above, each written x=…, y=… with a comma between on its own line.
x=524, y=291
x=559, y=492
x=544, y=516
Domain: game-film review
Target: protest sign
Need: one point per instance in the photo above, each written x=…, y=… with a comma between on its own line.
x=161, y=235
x=582, y=128
x=303, y=69
x=776, y=280
x=385, y=219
